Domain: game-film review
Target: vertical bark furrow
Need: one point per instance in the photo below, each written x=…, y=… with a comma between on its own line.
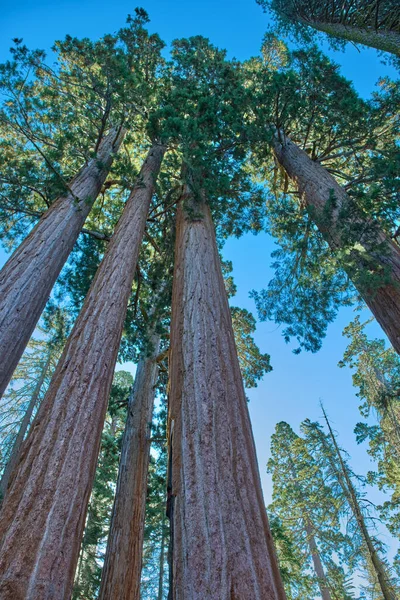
x=28, y=277
x=44, y=510
x=222, y=543
x=318, y=188
x=123, y=560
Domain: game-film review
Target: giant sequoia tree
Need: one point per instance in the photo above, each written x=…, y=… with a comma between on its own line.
x=367, y=22
x=326, y=143
x=99, y=75
x=216, y=515
x=85, y=371
x=196, y=133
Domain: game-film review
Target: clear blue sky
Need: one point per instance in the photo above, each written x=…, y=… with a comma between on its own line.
x=293, y=390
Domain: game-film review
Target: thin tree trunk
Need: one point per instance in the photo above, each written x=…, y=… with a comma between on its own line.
x=16, y=449
x=388, y=41
x=318, y=568
x=222, y=545
x=161, y=566
x=312, y=544
x=318, y=188
x=44, y=512
x=351, y=495
x=28, y=277
x=123, y=559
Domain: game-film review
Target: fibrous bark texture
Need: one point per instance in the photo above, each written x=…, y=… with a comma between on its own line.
x=380, y=254
x=369, y=22
x=15, y=452
x=388, y=41
x=222, y=545
x=28, y=277
x=123, y=560
x=43, y=514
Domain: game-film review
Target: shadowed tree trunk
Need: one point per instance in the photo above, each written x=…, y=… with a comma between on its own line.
x=12, y=461
x=341, y=471
x=29, y=275
x=123, y=559
x=222, y=545
x=43, y=515
x=318, y=568
x=388, y=41
x=327, y=203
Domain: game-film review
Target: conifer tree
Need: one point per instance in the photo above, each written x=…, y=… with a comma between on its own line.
x=309, y=509
x=317, y=145
x=113, y=77
x=81, y=386
x=203, y=114
x=123, y=559
x=155, y=570
x=376, y=375
x=293, y=563
x=375, y=24
x=341, y=475
x=206, y=562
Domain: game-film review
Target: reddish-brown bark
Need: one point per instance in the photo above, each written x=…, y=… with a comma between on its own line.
x=43, y=514
x=123, y=560
x=222, y=545
x=317, y=187
x=29, y=275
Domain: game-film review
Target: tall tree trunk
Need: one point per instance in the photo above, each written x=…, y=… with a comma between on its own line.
x=318, y=568
x=388, y=41
x=222, y=545
x=28, y=277
x=351, y=495
x=318, y=188
x=123, y=559
x=44, y=512
x=161, y=565
x=16, y=449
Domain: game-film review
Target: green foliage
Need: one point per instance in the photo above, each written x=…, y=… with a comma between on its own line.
x=253, y=364
x=309, y=509
x=303, y=96
x=201, y=116
x=303, y=18
x=356, y=509
x=377, y=377
x=54, y=114
x=308, y=288
x=293, y=564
